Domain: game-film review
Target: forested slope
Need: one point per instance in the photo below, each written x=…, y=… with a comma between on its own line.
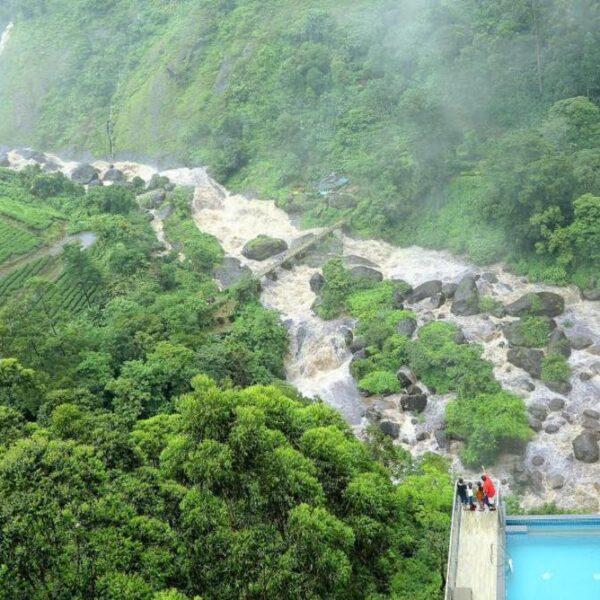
x=462, y=124
x=149, y=448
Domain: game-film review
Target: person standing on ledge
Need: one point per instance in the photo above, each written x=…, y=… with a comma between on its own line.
x=461, y=489
x=489, y=490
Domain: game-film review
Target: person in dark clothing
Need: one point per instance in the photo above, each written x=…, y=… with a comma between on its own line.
x=461, y=489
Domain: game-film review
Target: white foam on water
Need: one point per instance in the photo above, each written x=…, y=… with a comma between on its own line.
x=318, y=363
x=5, y=37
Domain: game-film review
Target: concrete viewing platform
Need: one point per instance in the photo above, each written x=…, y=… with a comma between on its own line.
x=476, y=556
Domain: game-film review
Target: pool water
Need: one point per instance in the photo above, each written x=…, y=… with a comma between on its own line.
x=554, y=561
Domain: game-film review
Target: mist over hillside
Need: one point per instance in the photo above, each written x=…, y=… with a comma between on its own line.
x=425, y=106
x=274, y=273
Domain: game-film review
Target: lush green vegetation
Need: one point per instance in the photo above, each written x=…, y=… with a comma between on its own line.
x=487, y=418
x=555, y=368
x=15, y=241
x=535, y=331
x=140, y=460
x=490, y=423
x=16, y=279
x=469, y=125
x=201, y=251
x=36, y=215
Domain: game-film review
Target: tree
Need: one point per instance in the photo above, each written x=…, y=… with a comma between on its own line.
x=87, y=275
x=20, y=388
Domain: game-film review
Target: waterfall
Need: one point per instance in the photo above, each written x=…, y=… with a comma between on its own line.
x=5, y=37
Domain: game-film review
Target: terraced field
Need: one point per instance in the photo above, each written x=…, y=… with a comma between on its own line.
x=35, y=216
x=15, y=241
x=67, y=295
x=16, y=279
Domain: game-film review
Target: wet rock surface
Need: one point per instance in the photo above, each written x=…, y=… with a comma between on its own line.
x=425, y=290
x=368, y=273
x=465, y=301
x=84, y=174
x=585, y=448
x=263, y=247
x=528, y=359
x=537, y=304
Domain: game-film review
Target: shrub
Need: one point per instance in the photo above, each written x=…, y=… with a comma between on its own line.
x=555, y=369
x=534, y=331
x=445, y=366
x=488, y=423
x=379, y=382
x=390, y=358
x=382, y=326
x=487, y=304
x=365, y=304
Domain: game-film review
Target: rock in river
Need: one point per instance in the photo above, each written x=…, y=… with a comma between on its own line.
x=585, y=447
x=416, y=403
x=84, y=174
x=390, y=428
x=528, y=359
x=466, y=297
x=362, y=272
x=425, y=290
x=263, y=247
x=537, y=304
x=317, y=281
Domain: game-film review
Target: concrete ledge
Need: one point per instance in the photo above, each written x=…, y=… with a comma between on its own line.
x=462, y=594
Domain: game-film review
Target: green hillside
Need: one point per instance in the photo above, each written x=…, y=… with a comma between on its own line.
x=402, y=98
x=149, y=449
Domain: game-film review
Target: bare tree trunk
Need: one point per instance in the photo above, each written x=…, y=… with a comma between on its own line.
x=110, y=133
x=538, y=44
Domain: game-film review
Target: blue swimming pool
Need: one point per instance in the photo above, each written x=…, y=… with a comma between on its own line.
x=553, y=559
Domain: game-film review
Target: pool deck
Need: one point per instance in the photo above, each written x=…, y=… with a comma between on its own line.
x=478, y=554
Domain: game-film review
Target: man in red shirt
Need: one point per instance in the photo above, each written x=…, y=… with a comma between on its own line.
x=489, y=491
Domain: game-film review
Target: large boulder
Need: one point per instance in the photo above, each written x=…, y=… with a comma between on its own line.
x=539, y=411
x=585, y=447
x=405, y=376
x=406, y=327
x=230, y=271
x=556, y=404
x=466, y=297
x=4, y=162
x=347, y=334
x=537, y=304
x=362, y=272
x=559, y=343
x=390, y=428
x=263, y=247
x=84, y=174
x=580, y=342
x=317, y=281
x=560, y=387
x=152, y=199
x=358, y=343
x=528, y=359
x=359, y=355
x=400, y=293
x=449, y=289
x=352, y=260
x=114, y=175
x=516, y=331
x=425, y=290
x=416, y=403
x=437, y=300
x=593, y=295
